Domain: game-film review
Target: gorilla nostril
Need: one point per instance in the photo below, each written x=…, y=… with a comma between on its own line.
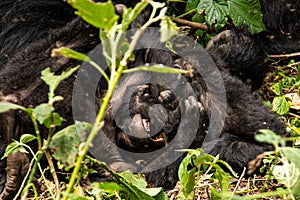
x=176, y=66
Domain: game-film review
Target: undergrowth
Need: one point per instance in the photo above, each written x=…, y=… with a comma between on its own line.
x=201, y=175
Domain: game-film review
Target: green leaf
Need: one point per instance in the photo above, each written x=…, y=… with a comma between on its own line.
x=13, y=148
x=42, y=112
x=215, y=194
x=130, y=14
x=56, y=119
x=286, y=173
x=191, y=4
x=292, y=154
x=25, y=138
x=133, y=179
x=152, y=191
x=6, y=106
x=158, y=69
x=222, y=176
x=65, y=143
x=100, y=15
x=280, y=105
x=108, y=186
x=247, y=12
x=64, y=51
x=276, y=88
x=216, y=12
x=54, y=80
x=167, y=29
x=186, y=175
x=269, y=137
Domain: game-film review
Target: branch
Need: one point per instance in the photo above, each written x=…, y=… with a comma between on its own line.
x=285, y=55
x=190, y=24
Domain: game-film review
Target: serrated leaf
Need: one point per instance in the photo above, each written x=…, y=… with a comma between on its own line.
x=280, y=105
x=100, y=15
x=25, y=138
x=247, y=12
x=6, y=106
x=64, y=51
x=216, y=12
x=167, y=29
x=42, y=112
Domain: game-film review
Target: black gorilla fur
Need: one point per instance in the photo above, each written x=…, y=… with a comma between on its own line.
x=23, y=58
x=281, y=36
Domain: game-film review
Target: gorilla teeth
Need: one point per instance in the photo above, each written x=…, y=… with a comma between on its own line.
x=146, y=124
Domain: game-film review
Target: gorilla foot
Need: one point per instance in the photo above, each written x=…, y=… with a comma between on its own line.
x=17, y=167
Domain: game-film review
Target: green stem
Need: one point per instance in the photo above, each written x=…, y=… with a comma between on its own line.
x=115, y=76
x=97, y=126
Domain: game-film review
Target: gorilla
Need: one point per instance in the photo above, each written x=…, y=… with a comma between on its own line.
x=31, y=29
x=281, y=36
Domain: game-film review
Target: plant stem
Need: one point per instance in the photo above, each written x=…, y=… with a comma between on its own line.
x=97, y=126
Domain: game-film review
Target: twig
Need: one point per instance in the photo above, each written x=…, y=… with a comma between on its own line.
x=285, y=55
x=294, y=115
x=239, y=181
x=293, y=64
x=191, y=24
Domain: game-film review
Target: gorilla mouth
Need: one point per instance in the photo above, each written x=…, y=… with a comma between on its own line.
x=158, y=138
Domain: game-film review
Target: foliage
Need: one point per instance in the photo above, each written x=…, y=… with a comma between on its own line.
x=282, y=86
x=217, y=13
x=66, y=145
x=284, y=162
x=198, y=165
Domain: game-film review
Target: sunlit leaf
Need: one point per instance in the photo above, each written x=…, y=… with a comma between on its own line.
x=130, y=14
x=269, y=137
x=158, y=69
x=134, y=179
x=186, y=176
x=281, y=105
x=64, y=51
x=293, y=155
x=168, y=29
x=13, y=148
x=54, y=80
x=25, y=138
x=101, y=15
